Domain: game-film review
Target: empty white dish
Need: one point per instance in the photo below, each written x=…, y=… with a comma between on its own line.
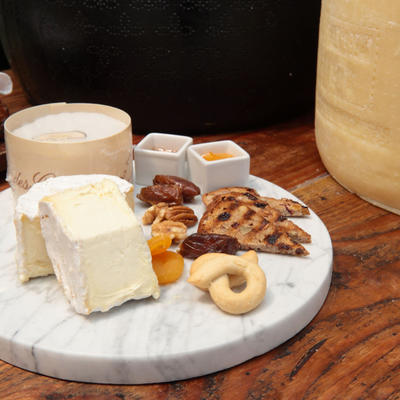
x=160, y=153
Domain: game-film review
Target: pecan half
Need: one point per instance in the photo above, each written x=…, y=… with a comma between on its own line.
x=181, y=214
x=175, y=230
x=155, y=213
x=161, y=211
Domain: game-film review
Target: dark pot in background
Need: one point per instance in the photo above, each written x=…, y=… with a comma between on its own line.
x=175, y=66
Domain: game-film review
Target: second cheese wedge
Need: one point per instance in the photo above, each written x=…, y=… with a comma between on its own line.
x=97, y=247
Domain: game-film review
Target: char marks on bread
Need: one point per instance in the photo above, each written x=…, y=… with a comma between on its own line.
x=286, y=207
x=239, y=212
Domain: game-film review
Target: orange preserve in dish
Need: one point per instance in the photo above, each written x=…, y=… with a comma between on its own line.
x=210, y=156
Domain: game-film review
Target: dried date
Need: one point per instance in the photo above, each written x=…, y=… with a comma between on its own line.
x=201, y=243
x=189, y=189
x=171, y=194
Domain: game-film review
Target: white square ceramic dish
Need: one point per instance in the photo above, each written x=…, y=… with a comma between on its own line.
x=212, y=175
x=160, y=153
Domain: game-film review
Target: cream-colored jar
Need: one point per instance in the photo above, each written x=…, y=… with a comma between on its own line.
x=357, y=118
x=33, y=157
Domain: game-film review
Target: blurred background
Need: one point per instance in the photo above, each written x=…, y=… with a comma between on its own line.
x=183, y=66
x=3, y=60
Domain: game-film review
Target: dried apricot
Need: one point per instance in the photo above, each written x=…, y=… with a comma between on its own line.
x=159, y=244
x=168, y=267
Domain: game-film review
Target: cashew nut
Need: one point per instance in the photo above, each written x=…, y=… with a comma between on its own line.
x=219, y=272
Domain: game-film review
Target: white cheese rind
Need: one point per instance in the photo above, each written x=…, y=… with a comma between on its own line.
x=31, y=255
x=97, y=247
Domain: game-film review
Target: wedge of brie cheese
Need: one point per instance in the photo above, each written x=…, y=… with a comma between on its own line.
x=97, y=247
x=31, y=255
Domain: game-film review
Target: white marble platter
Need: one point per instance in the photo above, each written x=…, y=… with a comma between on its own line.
x=179, y=336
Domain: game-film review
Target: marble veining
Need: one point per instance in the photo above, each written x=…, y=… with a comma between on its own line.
x=181, y=335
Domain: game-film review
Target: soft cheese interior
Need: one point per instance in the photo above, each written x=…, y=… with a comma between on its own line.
x=97, y=247
x=31, y=255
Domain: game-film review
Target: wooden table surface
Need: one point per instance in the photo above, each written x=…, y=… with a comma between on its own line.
x=350, y=350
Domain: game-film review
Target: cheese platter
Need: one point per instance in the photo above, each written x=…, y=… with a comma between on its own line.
x=179, y=336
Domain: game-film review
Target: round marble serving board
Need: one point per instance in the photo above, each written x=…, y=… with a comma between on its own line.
x=181, y=335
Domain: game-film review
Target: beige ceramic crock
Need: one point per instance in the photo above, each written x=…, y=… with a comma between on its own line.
x=30, y=161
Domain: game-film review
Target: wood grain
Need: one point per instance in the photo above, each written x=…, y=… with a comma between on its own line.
x=351, y=349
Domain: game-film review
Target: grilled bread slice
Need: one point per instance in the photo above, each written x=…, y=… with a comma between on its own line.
x=286, y=207
x=254, y=228
x=207, y=198
x=272, y=214
x=294, y=231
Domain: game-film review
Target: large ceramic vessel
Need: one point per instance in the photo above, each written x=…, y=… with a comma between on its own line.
x=357, y=119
